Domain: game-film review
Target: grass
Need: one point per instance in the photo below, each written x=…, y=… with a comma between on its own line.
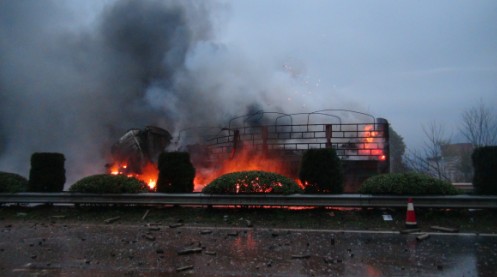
x=479, y=221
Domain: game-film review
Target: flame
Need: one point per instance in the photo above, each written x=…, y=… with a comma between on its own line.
x=244, y=160
x=371, y=146
x=149, y=173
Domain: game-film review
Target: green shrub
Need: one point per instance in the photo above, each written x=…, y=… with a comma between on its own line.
x=321, y=171
x=108, y=183
x=47, y=172
x=485, y=170
x=407, y=184
x=11, y=182
x=176, y=172
x=252, y=182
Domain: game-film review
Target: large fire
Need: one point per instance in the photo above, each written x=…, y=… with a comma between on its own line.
x=244, y=160
x=249, y=158
x=148, y=175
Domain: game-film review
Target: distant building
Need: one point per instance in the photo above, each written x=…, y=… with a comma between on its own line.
x=456, y=162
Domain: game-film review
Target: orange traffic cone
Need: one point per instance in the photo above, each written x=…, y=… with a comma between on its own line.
x=410, y=216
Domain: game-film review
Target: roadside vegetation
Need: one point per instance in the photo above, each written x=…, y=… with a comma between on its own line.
x=252, y=182
x=321, y=171
x=176, y=173
x=11, y=183
x=407, y=184
x=107, y=183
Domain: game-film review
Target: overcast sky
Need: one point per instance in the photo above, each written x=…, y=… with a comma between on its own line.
x=411, y=62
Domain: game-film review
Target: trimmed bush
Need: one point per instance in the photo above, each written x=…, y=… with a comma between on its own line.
x=108, y=183
x=11, y=182
x=485, y=170
x=176, y=173
x=407, y=184
x=47, y=172
x=321, y=171
x=252, y=182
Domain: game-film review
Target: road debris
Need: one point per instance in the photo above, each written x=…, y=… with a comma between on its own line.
x=183, y=268
x=444, y=229
x=112, y=219
x=422, y=237
x=187, y=251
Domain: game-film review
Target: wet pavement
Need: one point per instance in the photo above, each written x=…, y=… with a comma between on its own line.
x=78, y=249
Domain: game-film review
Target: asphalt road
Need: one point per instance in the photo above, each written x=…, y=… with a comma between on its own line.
x=123, y=249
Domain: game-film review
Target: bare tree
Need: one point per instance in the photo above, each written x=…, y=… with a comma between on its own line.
x=479, y=125
x=430, y=159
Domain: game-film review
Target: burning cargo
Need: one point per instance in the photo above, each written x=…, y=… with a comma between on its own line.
x=268, y=141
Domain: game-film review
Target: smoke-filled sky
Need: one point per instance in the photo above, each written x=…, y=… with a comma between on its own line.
x=75, y=75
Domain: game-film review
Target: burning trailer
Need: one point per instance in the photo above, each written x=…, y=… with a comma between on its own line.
x=268, y=141
x=275, y=142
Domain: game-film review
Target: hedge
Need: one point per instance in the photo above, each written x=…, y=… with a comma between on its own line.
x=47, y=173
x=485, y=170
x=321, y=171
x=11, y=183
x=252, y=182
x=407, y=184
x=108, y=183
x=176, y=173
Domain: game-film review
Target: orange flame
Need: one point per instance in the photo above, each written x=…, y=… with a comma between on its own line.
x=149, y=173
x=244, y=160
x=372, y=147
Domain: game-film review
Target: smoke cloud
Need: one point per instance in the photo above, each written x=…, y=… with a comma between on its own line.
x=77, y=90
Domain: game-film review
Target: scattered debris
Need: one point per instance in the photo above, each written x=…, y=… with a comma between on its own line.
x=409, y=231
x=187, y=251
x=444, y=229
x=249, y=223
x=146, y=214
x=211, y=253
x=387, y=217
x=225, y=218
x=301, y=256
x=112, y=219
x=175, y=225
x=183, y=268
x=422, y=236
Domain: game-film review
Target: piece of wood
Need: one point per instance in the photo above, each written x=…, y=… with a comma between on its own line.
x=146, y=214
x=187, y=251
x=112, y=219
x=301, y=256
x=183, y=268
x=444, y=229
x=422, y=237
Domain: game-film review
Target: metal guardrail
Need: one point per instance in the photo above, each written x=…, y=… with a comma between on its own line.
x=342, y=200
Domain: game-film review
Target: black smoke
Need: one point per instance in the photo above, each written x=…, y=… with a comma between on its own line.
x=76, y=90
